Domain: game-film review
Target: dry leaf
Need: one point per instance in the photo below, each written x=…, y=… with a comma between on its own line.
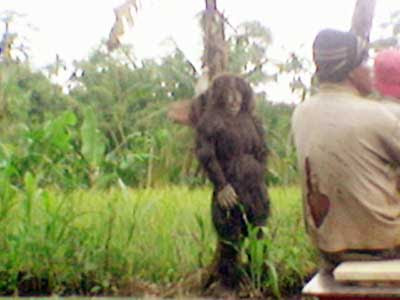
x=122, y=12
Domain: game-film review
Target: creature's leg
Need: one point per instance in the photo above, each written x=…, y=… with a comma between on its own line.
x=228, y=264
x=256, y=202
x=228, y=226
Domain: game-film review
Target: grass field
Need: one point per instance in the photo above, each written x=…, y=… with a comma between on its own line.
x=92, y=242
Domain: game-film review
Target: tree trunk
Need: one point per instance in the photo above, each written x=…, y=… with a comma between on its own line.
x=214, y=62
x=211, y=4
x=362, y=18
x=7, y=42
x=215, y=49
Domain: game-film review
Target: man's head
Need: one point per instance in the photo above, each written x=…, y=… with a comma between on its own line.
x=387, y=73
x=336, y=54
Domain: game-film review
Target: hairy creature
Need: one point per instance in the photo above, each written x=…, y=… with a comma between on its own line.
x=230, y=146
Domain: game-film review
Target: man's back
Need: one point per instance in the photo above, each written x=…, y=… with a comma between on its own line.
x=348, y=152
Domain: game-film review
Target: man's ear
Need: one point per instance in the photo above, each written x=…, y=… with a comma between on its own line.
x=361, y=79
x=179, y=112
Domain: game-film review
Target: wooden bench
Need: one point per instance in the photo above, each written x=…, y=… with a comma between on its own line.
x=357, y=280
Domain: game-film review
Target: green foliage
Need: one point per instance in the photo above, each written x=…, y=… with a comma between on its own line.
x=71, y=223
x=112, y=127
x=390, y=34
x=256, y=250
x=122, y=136
x=282, y=164
x=27, y=97
x=93, y=141
x=49, y=150
x=248, y=52
x=130, y=104
x=280, y=262
x=91, y=241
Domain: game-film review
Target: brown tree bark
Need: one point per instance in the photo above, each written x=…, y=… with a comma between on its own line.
x=362, y=18
x=215, y=48
x=214, y=60
x=211, y=4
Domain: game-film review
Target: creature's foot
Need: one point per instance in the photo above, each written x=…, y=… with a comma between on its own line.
x=218, y=290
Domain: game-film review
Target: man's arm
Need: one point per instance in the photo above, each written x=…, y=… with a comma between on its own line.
x=390, y=135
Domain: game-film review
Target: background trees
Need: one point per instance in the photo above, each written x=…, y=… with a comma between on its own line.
x=69, y=223
x=111, y=127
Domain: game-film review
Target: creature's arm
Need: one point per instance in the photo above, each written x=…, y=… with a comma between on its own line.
x=261, y=151
x=205, y=151
x=179, y=112
x=187, y=112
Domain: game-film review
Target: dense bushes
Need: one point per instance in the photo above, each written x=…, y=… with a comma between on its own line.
x=112, y=127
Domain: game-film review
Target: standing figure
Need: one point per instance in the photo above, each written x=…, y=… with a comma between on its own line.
x=231, y=147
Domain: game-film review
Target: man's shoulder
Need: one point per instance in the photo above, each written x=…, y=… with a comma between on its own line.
x=310, y=103
x=343, y=98
x=327, y=105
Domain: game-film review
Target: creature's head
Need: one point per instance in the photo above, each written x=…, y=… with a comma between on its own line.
x=231, y=93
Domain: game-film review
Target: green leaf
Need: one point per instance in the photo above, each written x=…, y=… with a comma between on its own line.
x=93, y=141
x=69, y=118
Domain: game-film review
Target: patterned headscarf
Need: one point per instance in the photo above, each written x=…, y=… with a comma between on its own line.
x=387, y=73
x=336, y=53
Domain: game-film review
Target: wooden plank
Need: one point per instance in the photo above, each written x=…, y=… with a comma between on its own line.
x=324, y=285
x=385, y=272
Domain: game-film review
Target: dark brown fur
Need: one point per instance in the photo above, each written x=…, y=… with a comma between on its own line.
x=232, y=150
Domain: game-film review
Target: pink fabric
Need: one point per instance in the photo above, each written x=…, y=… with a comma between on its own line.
x=387, y=73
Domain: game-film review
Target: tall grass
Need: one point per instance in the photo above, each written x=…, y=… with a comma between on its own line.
x=291, y=258
x=89, y=241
